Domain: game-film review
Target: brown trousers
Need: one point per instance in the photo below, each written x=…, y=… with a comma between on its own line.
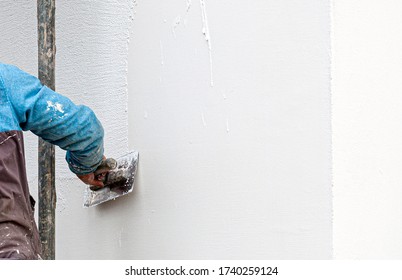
x=19, y=237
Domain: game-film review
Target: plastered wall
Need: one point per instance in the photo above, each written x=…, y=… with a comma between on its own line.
x=228, y=104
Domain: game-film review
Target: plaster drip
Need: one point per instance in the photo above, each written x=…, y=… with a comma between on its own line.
x=205, y=31
x=176, y=23
x=203, y=119
x=188, y=6
x=187, y=10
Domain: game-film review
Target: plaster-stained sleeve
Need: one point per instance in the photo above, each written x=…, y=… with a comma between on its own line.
x=56, y=119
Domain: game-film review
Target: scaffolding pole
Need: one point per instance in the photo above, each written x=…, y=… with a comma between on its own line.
x=46, y=151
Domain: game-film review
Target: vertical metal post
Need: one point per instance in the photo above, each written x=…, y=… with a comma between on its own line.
x=46, y=155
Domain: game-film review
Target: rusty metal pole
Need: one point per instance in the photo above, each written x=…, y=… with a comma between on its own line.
x=46, y=151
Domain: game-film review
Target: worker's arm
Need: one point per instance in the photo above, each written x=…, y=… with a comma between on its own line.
x=56, y=119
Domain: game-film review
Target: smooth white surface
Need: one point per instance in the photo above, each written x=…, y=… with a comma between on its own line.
x=367, y=131
x=238, y=170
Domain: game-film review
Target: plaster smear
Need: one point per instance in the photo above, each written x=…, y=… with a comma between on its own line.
x=55, y=106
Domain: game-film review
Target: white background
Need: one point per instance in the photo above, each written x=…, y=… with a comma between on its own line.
x=367, y=130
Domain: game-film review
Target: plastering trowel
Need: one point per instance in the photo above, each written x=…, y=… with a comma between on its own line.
x=117, y=177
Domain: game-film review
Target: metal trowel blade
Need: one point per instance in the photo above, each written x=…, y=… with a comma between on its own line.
x=119, y=181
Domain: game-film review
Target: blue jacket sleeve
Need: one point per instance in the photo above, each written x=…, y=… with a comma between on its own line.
x=56, y=119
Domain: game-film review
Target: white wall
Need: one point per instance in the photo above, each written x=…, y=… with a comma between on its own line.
x=240, y=169
x=367, y=130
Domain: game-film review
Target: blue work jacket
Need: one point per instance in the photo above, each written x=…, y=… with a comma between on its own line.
x=25, y=104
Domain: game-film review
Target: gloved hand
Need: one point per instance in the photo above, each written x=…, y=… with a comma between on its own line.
x=91, y=179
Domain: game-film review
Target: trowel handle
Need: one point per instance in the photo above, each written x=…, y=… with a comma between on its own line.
x=101, y=172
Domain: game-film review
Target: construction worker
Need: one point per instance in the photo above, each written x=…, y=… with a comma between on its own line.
x=25, y=104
